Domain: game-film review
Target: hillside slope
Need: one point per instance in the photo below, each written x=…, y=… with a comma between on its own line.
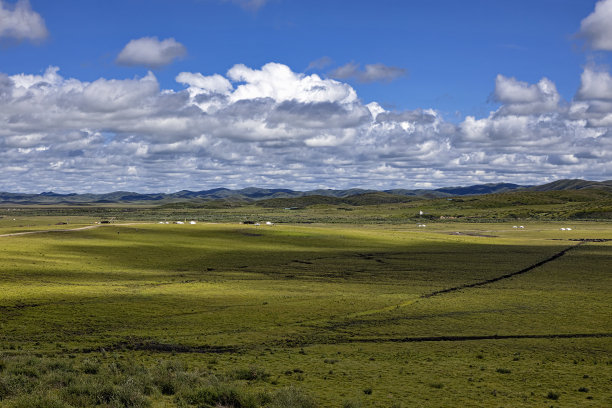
x=255, y=194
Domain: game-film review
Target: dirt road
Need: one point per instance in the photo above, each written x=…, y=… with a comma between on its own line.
x=14, y=234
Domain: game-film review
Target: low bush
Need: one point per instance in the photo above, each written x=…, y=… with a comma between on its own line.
x=250, y=374
x=291, y=397
x=117, y=382
x=552, y=395
x=38, y=401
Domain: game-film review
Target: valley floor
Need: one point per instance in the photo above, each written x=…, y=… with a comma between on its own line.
x=447, y=315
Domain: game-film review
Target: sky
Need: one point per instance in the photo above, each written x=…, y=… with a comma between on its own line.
x=165, y=95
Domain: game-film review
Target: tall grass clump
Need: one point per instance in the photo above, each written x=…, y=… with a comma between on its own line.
x=116, y=382
x=292, y=397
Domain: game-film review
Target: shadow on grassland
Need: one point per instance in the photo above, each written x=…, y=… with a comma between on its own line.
x=139, y=254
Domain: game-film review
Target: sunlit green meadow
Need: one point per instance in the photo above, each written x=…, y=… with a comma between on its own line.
x=334, y=310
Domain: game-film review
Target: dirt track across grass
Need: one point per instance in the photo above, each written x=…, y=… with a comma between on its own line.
x=15, y=234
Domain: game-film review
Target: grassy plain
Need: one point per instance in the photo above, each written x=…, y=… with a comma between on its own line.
x=343, y=312
x=371, y=208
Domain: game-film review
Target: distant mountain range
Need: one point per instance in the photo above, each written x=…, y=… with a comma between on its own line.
x=256, y=194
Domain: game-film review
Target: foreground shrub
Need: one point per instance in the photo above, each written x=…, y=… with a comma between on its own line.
x=219, y=395
x=250, y=374
x=292, y=397
x=90, y=366
x=38, y=401
x=352, y=404
x=115, y=382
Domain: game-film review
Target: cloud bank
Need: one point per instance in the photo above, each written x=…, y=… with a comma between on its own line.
x=271, y=126
x=151, y=52
x=20, y=22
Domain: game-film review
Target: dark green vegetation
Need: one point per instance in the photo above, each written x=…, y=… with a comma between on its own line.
x=454, y=314
x=116, y=381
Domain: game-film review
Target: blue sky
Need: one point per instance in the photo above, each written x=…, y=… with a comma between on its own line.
x=406, y=93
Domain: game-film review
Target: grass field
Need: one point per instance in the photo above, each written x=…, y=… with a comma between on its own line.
x=338, y=315
x=372, y=208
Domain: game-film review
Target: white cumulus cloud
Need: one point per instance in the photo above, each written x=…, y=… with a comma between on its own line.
x=207, y=84
x=271, y=126
x=596, y=28
x=593, y=101
x=151, y=52
x=21, y=22
x=114, y=95
x=279, y=82
x=595, y=84
x=534, y=131
x=521, y=98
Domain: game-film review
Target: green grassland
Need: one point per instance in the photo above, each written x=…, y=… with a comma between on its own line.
x=331, y=315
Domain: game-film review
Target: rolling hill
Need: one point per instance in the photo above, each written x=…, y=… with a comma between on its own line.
x=252, y=194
